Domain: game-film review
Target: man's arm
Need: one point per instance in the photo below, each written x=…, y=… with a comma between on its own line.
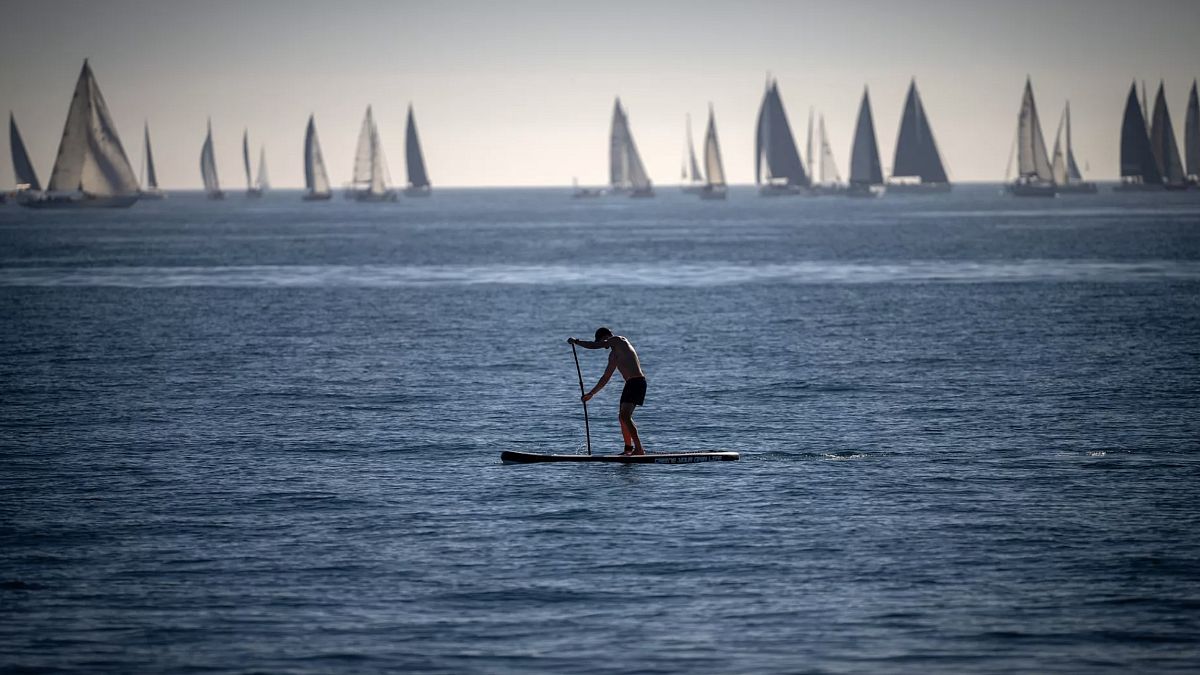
x=608, y=373
x=587, y=344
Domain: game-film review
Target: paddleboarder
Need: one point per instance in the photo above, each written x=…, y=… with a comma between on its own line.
x=623, y=358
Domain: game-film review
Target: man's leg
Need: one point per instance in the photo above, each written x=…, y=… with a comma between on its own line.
x=629, y=427
x=625, y=433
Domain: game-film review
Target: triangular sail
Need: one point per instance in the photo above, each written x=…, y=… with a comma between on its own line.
x=916, y=150
x=829, y=170
x=414, y=159
x=90, y=157
x=362, y=154
x=1073, y=174
x=1058, y=164
x=1191, y=135
x=246, y=158
x=262, y=182
x=808, y=144
x=775, y=152
x=864, y=153
x=626, y=171
x=1137, y=157
x=208, y=164
x=22, y=167
x=693, y=167
x=714, y=168
x=1162, y=140
x=1032, y=160
x=315, y=177
x=151, y=174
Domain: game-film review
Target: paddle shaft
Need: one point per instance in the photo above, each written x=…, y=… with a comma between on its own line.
x=587, y=428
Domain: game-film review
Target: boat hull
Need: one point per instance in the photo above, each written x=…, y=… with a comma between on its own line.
x=317, y=196
x=713, y=193
x=84, y=202
x=861, y=191
x=417, y=192
x=644, y=193
x=1032, y=190
x=254, y=193
x=1077, y=189
x=387, y=196
x=513, y=457
x=770, y=190
x=152, y=196
x=918, y=188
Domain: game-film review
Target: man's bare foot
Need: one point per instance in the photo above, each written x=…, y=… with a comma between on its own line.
x=638, y=452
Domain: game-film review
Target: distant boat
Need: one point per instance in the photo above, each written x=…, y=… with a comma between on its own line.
x=208, y=167
x=917, y=166
x=91, y=169
x=418, y=177
x=693, y=178
x=1139, y=168
x=1191, y=137
x=777, y=165
x=1034, y=175
x=252, y=189
x=627, y=174
x=316, y=180
x=151, y=191
x=830, y=180
x=371, y=182
x=1162, y=142
x=584, y=193
x=866, y=174
x=714, y=167
x=28, y=186
x=1063, y=166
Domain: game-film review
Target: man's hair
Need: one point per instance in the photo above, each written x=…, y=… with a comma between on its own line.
x=603, y=333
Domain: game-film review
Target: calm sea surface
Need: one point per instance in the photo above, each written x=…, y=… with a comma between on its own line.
x=265, y=435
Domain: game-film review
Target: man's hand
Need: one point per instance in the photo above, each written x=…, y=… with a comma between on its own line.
x=587, y=397
x=571, y=340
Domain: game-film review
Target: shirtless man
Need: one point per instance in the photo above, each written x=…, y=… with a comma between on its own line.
x=621, y=357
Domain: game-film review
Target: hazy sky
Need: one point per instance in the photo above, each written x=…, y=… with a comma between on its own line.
x=520, y=93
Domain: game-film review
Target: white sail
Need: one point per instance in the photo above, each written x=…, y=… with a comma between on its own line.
x=371, y=175
x=316, y=179
x=1058, y=164
x=90, y=156
x=626, y=171
x=208, y=165
x=262, y=182
x=151, y=174
x=1032, y=160
x=694, y=167
x=714, y=168
x=829, y=170
x=808, y=146
x=362, y=154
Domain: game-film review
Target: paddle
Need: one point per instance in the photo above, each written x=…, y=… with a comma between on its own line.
x=587, y=429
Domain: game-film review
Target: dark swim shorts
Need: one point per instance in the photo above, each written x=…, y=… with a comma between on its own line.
x=634, y=391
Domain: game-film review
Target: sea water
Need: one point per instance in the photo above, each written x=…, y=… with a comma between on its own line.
x=264, y=435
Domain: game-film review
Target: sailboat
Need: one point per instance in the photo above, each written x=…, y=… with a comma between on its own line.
x=418, y=177
x=151, y=191
x=1162, y=142
x=777, y=165
x=1191, y=137
x=91, y=169
x=627, y=174
x=252, y=190
x=28, y=186
x=866, y=174
x=830, y=181
x=917, y=167
x=714, y=167
x=208, y=167
x=1063, y=166
x=692, y=176
x=371, y=180
x=1034, y=176
x=1139, y=168
x=316, y=180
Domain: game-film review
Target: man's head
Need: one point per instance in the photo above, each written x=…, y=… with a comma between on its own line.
x=603, y=333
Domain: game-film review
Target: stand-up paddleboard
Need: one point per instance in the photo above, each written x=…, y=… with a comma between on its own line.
x=513, y=457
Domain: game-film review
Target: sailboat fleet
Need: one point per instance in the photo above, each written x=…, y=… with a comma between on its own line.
x=91, y=168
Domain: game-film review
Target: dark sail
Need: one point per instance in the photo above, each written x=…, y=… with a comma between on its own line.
x=864, y=154
x=1162, y=140
x=1137, y=158
x=775, y=146
x=22, y=167
x=151, y=174
x=916, y=150
x=1191, y=134
x=417, y=177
